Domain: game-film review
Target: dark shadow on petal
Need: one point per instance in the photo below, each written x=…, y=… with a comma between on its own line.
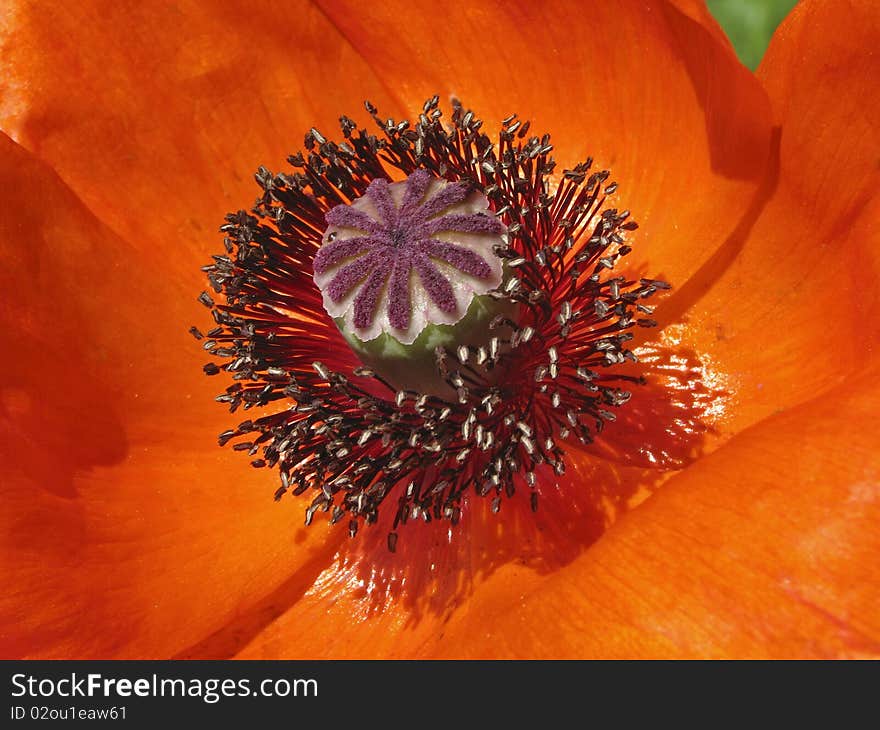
x=57, y=416
x=56, y=421
x=435, y=569
x=738, y=143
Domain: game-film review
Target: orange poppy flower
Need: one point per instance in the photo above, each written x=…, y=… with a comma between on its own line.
x=126, y=532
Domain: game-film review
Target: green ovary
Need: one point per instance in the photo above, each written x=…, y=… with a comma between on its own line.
x=414, y=367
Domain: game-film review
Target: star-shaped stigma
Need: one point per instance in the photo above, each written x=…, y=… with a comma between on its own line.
x=442, y=231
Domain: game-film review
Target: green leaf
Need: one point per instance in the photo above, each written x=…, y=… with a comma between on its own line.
x=749, y=24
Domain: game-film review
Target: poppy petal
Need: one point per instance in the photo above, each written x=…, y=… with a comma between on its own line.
x=157, y=116
x=788, y=308
x=820, y=75
x=124, y=530
x=765, y=548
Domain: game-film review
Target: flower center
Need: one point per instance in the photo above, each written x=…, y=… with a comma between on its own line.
x=406, y=255
x=479, y=290
x=408, y=267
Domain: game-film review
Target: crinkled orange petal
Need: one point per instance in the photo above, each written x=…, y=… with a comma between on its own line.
x=820, y=72
x=790, y=307
x=157, y=115
x=124, y=530
x=765, y=548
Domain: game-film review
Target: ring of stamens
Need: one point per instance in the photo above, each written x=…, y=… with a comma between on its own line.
x=342, y=432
